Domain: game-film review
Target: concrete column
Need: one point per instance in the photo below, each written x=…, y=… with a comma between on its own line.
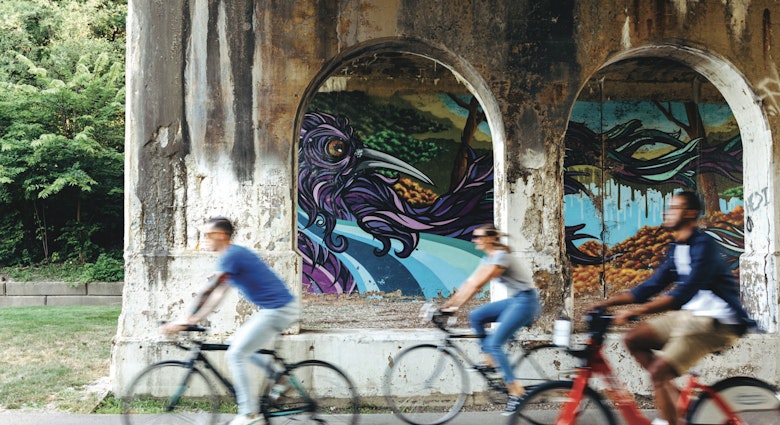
x=205, y=136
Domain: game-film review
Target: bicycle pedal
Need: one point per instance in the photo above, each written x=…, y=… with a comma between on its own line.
x=485, y=369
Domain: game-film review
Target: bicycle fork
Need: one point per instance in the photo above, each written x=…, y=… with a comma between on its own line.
x=616, y=392
x=684, y=400
x=173, y=400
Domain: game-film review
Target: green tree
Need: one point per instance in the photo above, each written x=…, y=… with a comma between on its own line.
x=61, y=129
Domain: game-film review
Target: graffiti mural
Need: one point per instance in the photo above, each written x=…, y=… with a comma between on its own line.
x=386, y=201
x=624, y=160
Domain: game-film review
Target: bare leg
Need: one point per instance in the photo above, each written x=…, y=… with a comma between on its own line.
x=515, y=389
x=662, y=374
x=641, y=341
x=487, y=360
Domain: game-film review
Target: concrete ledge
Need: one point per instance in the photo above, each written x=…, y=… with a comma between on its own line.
x=22, y=294
x=22, y=301
x=61, y=300
x=365, y=355
x=44, y=288
x=105, y=288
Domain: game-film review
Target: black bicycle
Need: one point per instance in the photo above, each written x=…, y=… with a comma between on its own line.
x=428, y=384
x=181, y=392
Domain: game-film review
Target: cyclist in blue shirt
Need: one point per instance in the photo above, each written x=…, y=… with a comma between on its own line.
x=279, y=309
x=707, y=314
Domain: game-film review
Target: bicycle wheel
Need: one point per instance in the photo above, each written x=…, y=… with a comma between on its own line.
x=425, y=385
x=545, y=363
x=755, y=401
x=170, y=393
x=313, y=392
x=543, y=404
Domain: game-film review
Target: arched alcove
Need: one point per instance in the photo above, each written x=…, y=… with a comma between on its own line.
x=399, y=145
x=666, y=118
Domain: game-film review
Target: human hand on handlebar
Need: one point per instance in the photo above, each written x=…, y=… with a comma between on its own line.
x=621, y=318
x=172, y=328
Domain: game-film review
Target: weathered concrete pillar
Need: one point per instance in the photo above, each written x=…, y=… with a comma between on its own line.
x=210, y=121
x=215, y=89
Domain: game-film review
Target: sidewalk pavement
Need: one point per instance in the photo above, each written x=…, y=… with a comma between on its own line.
x=10, y=417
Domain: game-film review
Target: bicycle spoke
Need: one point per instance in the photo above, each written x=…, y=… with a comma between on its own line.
x=543, y=404
x=425, y=385
x=169, y=393
x=545, y=363
x=314, y=392
x=755, y=401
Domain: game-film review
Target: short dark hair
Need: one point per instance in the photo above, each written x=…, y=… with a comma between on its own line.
x=692, y=200
x=222, y=224
x=490, y=230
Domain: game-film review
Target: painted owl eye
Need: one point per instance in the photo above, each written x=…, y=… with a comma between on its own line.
x=336, y=148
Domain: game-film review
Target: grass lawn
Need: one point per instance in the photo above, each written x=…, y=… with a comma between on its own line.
x=49, y=356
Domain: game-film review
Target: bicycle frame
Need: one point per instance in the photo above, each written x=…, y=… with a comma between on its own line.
x=198, y=357
x=596, y=364
x=616, y=391
x=450, y=337
x=693, y=386
x=449, y=344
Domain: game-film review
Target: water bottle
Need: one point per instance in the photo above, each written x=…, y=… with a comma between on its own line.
x=562, y=330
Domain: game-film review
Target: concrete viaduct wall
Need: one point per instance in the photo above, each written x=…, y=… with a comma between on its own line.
x=215, y=90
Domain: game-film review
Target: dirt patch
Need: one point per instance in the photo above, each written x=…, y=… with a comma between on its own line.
x=395, y=311
x=372, y=311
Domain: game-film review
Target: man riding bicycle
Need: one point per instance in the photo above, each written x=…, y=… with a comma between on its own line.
x=242, y=268
x=706, y=311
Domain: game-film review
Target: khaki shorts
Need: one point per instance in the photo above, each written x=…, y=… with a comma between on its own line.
x=689, y=338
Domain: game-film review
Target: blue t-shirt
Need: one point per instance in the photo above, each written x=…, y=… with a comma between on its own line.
x=253, y=278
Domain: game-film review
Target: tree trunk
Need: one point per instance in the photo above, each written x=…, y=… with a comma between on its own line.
x=41, y=231
x=461, y=159
x=708, y=188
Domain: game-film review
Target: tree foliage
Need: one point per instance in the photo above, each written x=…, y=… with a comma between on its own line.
x=61, y=129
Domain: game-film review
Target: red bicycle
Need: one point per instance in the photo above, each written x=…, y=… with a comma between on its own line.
x=733, y=401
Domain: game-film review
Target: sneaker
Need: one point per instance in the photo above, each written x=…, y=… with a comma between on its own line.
x=659, y=421
x=512, y=403
x=246, y=420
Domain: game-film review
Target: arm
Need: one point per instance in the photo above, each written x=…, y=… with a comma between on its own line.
x=472, y=285
x=617, y=299
x=660, y=279
x=662, y=303
x=207, y=301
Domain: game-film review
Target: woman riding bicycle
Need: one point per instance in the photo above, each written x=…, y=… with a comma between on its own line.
x=518, y=310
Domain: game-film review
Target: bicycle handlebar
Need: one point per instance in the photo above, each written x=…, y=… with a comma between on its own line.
x=190, y=328
x=441, y=319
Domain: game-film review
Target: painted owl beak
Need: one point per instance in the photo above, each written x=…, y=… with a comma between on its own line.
x=372, y=159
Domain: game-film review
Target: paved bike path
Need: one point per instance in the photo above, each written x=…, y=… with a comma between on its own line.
x=21, y=418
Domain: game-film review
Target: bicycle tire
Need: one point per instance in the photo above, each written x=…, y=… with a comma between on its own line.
x=146, y=398
x=545, y=363
x=426, y=385
x=755, y=401
x=542, y=404
x=315, y=392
